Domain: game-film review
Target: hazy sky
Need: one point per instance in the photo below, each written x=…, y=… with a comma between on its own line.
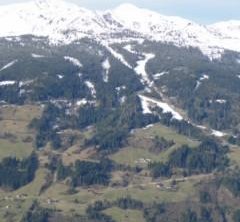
x=203, y=11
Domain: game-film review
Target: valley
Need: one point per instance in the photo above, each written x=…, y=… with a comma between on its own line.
x=125, y=183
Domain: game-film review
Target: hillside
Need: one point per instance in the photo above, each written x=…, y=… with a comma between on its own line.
x=117, y=115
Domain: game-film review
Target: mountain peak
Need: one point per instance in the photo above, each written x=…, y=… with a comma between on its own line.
x=131, y=9
x=43, y=2
x=53, y=3
x=128, y=6
x=62, y=21
x=135, y=17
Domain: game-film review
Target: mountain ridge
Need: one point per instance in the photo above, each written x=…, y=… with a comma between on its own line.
x=63, y=22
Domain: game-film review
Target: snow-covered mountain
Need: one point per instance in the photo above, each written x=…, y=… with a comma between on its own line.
x=64, y=22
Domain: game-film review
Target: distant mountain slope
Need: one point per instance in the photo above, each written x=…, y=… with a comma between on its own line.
x=128, y=62
x=63, y=22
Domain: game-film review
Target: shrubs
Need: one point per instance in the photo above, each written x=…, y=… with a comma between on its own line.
x=189, y=216
x=236, y=216
x=95, y=211
x=37, y=214
x=160, y=170
x=205, y=197
x=15, y=173
x=45, y=127
x=112, y=130
x=206, y=158
x=129, y=203
x=85, y=173
x=232, y=182
x=160, y=144
x=154, y=212
x=112, y=124
x=90, y=173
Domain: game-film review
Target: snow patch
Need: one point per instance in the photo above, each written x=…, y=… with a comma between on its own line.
x=202, y=78
x=140, y=69
x=129, y=49
x=148, y=126
x=7, y=83
x=117, y=56
x=25, y=83
x=200, y=127
x=198, y=85
x=74, y=61
x=91, y=86
x=221, y=101
x=158, y=75
x=8, y=65
x=218, y=133
x=84, y=101
x=120, y=88
x=106, y=67
x=60, y=76
x=123, y=99
x=37, y=56
x=147, y=103
x=81, y=102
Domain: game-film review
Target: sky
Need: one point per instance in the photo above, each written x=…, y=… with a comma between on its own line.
x=201, y=11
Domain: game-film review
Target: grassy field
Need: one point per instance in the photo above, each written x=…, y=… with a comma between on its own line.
x=78, y=202
x=20, y=113
x=120, y=215
x=33, y=189
x=167, y=133
x=59, y=192
x=76, y=152
x=150, y=193
x=15, y=121
x=234, y=155
x=15, y=204
x=14, y=149
x=16, y=139
x=132, y=155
